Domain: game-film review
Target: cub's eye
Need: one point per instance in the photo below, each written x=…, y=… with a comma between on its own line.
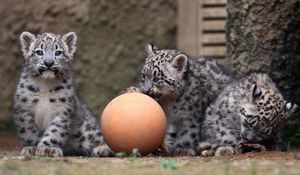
x=155, y=79
x=58, y=53
x=39, y=52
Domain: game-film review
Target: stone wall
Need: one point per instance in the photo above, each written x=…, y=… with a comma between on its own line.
x=111, y=35
x=264, y=36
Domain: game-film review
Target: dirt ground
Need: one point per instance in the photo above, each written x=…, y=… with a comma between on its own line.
x=263, y=163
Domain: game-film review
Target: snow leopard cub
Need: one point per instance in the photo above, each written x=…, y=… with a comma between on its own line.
x=249, y=110
x=183, y=87
x=51, y=120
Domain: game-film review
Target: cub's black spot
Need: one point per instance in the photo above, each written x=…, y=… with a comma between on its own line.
x=187, y=144
x=223, y=133
x=62, y=100
x=17, y=96
x=57, y=125
x=187, y=98
x=231, y=132
x=64, y=81
x=82, y=139
x=22, y=85
x=90, y=137
x=53, y=141
x=69, y=110
x=46, y=135
x=30, y=128
x=193, y=135
x=228, y=142
x=193, y=126
x=31, y=121
x=22, y=130
x=94, y=127
x=77, y=135
x=64, y=120
x=54, y=130
x=183, y=133
x=29, y=142
x=88, y=127
x=32, y=89
x=65, y=127
x=69, y=86
x=35, y=100
x=52, y=100
x=58, y=88
x=46, y=143
x=98, y=134
x=21, y=120
x=18, y=110
x=62, y=134
x=173, y=135
x=59, y=144
x=24, y=99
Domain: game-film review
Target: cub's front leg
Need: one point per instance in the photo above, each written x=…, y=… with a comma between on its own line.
x=27, y=131
x=54, y=137
x=182, y=140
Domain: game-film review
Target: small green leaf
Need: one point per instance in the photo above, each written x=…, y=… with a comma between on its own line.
x=168, y=164
x=134, y=154
x=121, y=155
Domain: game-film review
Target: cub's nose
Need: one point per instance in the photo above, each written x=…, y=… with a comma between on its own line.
x=49, y=63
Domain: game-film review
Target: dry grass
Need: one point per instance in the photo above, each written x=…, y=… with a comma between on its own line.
x=266, y=163
x=263, y=163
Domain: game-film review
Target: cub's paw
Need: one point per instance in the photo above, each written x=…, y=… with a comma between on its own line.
x=162, y=150
x=47, y=151
x=27, y=151
x=183, y=152
x=102, y=151
x=205, y=149
x=131, y=89
x=207, y=153
x=204, y=146
x=224, y=151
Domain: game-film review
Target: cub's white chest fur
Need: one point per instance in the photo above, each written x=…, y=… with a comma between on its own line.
x=44, y=111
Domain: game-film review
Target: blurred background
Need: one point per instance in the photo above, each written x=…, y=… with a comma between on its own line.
x=112, y=34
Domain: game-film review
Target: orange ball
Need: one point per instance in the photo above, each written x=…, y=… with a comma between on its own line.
x=133, y=120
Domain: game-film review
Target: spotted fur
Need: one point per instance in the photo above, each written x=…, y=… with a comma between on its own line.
x=184, y=87
x=250, y=110
x=51, y=120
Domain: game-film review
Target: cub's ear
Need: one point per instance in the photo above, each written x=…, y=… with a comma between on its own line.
x=180, y=62
x=26, y=39
x=256, y=91
x=151, y=49
x=290, y=106
x=70, y=39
